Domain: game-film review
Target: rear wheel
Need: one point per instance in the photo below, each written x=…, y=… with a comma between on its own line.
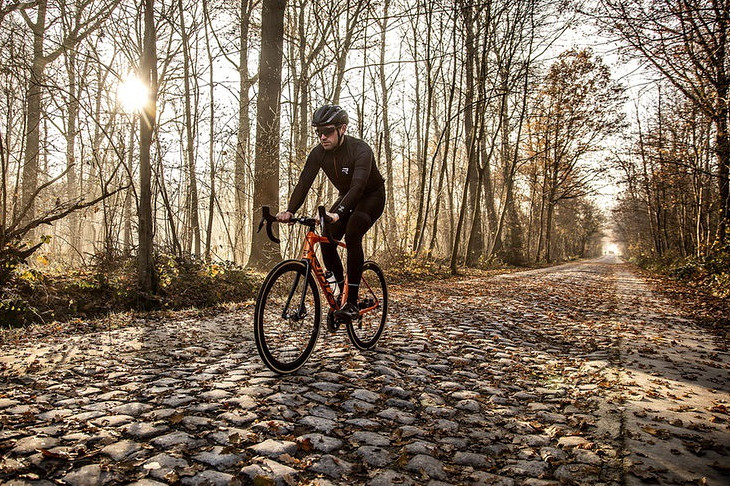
x=365, y=331
x=287, y=317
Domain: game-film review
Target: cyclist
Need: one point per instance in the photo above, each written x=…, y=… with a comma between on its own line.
x=349, y=164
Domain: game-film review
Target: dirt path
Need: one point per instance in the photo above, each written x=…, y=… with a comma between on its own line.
x=670, y=378
x=675, y=390
x=577, y=374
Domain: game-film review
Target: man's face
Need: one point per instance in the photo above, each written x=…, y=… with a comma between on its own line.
x=328, y=135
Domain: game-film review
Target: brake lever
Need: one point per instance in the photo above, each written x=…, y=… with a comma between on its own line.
x=269, y=219
x=323, y=219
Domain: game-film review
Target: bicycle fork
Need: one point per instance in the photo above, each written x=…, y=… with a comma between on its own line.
x=301, y=312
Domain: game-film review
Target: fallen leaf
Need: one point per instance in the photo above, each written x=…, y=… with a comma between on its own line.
x=263, y=481
x=305, y=445
x=660, y=433
x=719, y=408
x=54, y=455
x=172, y=477
x=287, y=459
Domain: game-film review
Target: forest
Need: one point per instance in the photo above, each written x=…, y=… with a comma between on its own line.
x=139, y=140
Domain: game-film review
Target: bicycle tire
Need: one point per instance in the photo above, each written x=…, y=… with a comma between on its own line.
x=287, y=317
x=365, y=331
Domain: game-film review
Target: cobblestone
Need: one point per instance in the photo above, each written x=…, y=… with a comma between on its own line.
x=522, y=379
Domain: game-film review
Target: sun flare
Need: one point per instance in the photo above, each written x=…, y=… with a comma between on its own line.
x=132, y=94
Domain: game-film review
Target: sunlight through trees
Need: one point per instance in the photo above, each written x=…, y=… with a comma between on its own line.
x=493, y=144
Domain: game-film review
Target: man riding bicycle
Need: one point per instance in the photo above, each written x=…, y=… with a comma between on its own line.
x=349, y=164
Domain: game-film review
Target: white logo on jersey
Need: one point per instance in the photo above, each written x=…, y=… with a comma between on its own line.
x=345, y=170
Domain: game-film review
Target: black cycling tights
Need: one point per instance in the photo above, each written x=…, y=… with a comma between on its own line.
x=353, y=227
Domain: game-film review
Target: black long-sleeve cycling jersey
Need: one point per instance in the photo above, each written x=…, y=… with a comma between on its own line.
x=351, y=169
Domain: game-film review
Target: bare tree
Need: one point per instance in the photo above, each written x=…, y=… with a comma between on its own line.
x=423, y=133
x=470, y=191
x=343, y=41
x=211, y=140
x=387, y=142
x=687, y=42
x=190, y=134
x=306, y=17
x=146, y=275
x=87, y=18
x=577, y=108
x=668, y=175
x=242, y=160
x=266, y=177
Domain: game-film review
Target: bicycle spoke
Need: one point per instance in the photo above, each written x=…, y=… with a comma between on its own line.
x=373, y=303
x=287, y=318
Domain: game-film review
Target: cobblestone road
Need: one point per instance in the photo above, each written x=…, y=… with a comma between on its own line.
x=572, y=375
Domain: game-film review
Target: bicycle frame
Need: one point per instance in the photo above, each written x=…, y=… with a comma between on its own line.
x=288, y=312
x=373, y=294
x=311, y=240
x=309, y=256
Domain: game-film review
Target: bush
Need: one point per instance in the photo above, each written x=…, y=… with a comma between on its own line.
x=15, y=310
x=717, y=268
x=185, y=283
x=34, y=296
x=709, y=273
x=407, y=266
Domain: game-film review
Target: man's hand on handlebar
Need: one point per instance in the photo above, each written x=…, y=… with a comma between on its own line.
x=284, y=216
x=287, y=216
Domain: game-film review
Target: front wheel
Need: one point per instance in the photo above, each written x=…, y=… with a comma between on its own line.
x=365, y=331
x=287, y=316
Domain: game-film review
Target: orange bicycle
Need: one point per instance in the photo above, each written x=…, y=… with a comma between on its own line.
x=288, y=308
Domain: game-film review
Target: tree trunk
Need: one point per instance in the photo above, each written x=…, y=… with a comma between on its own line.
x=470, y=132
x=146, y=274
x=189, y=151
x=444, y=163
x=353, y=19
x=424, y=194
x=509, y=220
x=392, y=233
x=478, y=245
x=301, y=88
x=459, y=225
x=211, y=139
x=719, y=59
x=475, y=243
x=462, y=216
x=264, y=252
x=544, y=198
x=722, y=151
x=72, y=189
x=243, y=138
x=128, y=196
x=31, y=162
x=171, y=220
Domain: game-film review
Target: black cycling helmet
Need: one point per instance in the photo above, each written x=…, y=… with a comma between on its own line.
x=330, y=115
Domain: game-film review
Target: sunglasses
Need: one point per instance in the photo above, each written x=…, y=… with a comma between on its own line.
x=326, y=131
